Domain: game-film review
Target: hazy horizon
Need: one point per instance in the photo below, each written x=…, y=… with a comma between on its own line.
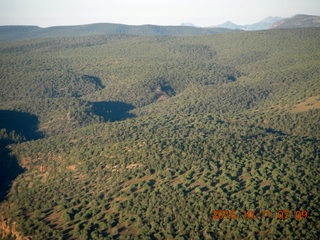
x=179, y=24
x=201, y=13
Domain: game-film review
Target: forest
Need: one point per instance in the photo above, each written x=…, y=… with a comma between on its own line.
x=116, y=136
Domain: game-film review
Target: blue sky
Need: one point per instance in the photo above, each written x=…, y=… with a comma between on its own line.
x=161, y=12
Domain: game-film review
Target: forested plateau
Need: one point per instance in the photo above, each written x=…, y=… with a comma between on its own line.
x=161, y=137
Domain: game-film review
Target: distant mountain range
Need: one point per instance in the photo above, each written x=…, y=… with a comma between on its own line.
x=14, y=33
x=262, y=25
x=297, y=21
x=188, y=24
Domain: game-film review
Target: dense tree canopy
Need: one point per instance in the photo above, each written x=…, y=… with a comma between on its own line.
x=136, y=137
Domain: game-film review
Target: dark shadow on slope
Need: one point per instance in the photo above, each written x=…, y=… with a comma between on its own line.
x=15, y=127
x=22, y=123
x=113, y=111
x=273, y=131
x=9, y=170
x=95, y=80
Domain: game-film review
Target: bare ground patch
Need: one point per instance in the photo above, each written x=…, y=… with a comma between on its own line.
x=307, y=104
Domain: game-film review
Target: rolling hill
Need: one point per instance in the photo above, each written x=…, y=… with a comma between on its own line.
x=120, y=136
x=14, y=33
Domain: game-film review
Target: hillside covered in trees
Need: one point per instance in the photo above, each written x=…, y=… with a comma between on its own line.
x=147, y=137
x=15, y=33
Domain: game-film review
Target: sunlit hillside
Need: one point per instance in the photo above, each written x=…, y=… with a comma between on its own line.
x=161, y=137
